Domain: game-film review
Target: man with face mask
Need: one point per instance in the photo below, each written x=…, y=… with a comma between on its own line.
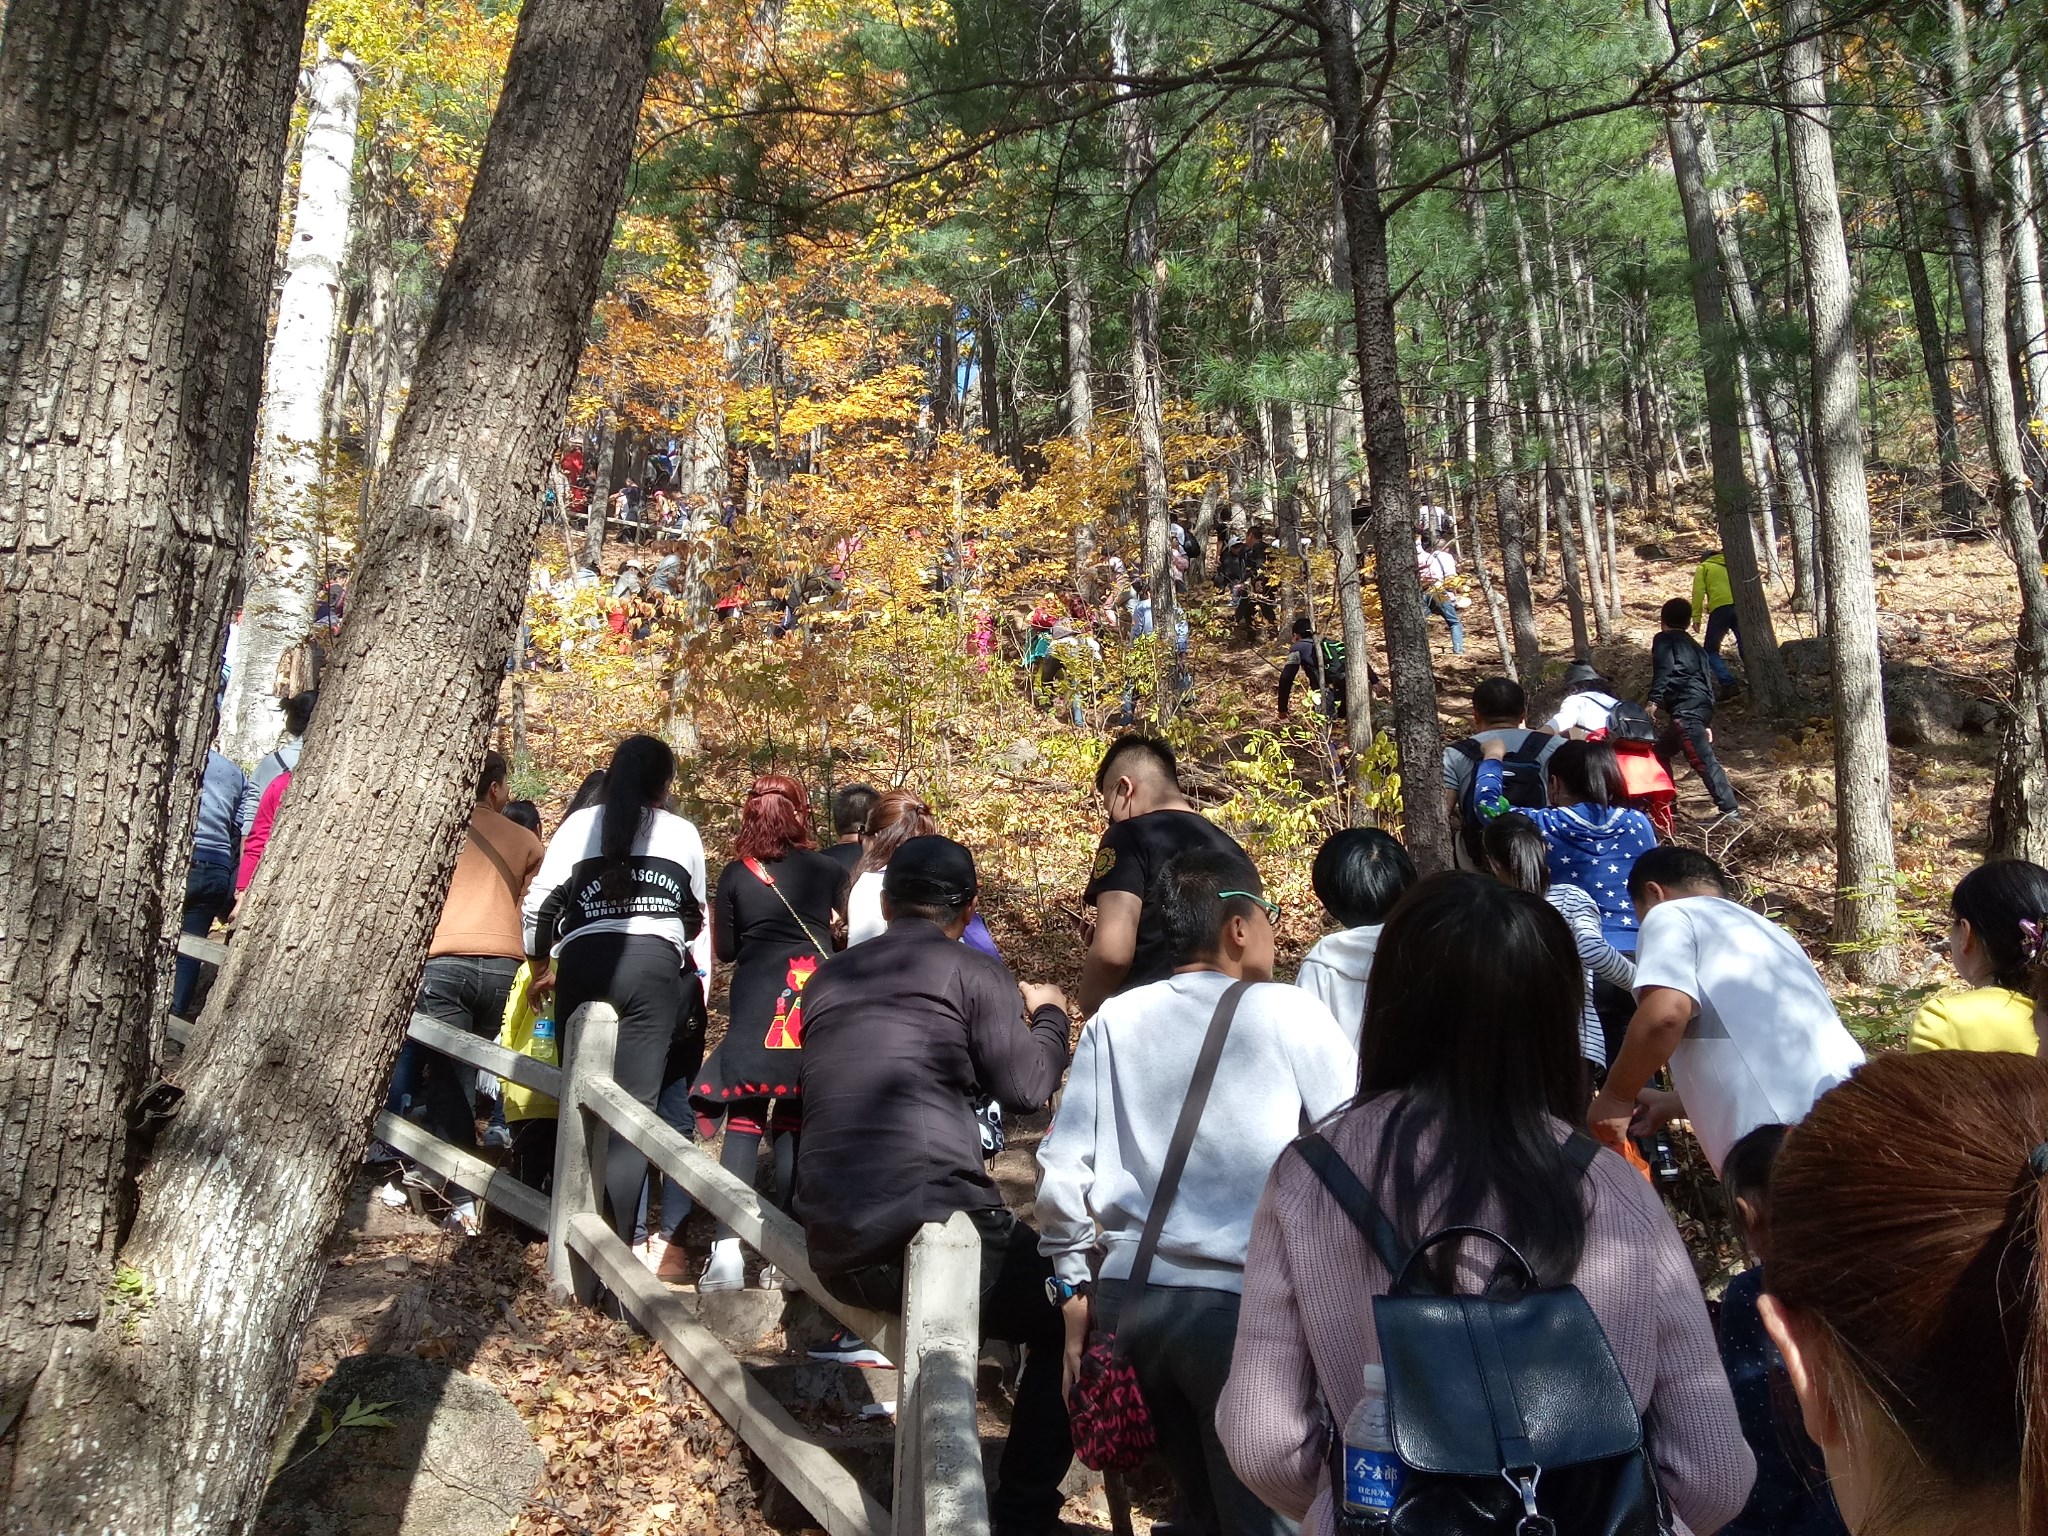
x=1150, y=821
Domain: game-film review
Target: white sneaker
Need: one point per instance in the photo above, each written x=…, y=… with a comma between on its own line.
x=727, y=1270
x=463, y=1217
x=393, y=1195
x=652, y=1252
x=771, y=1279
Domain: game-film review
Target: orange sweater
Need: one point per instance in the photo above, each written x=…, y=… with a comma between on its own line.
x=497, y=863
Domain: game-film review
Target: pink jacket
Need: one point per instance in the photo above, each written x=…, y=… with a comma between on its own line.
x=1305, y=1332
x=260, y=830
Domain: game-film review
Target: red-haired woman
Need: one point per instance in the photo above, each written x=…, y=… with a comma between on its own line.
x=772, y=923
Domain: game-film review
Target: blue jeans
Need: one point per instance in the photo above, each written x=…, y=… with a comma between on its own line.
x=466, y=992
x=1446, y=608
x=1720, y=625
x=209, y=892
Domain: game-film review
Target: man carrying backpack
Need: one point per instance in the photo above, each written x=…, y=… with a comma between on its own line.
x=1311, y=658
x=1682, y=685
x=1499, y=712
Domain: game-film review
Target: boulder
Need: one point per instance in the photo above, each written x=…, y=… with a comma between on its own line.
x=1922, y=708
x=454, y=1459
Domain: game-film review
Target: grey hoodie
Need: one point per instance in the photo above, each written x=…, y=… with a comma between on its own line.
x=1336, y=971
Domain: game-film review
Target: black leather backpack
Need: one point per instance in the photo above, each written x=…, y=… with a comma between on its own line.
x=1507, y=1410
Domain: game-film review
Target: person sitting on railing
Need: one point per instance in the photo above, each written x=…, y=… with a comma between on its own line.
x=471, y=963
x=902, y=1034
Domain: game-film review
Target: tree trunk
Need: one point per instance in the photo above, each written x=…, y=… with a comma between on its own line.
x=1941, y=399
x=162, y=1420
x=142, y=144
x=282, y=573
x=2030, y=310
x=380, y=283
x=1866, y=904
x=1343, y=535
x=1770, y=684
x=1078, y=312
x=1269, y=335
x=1418, y=737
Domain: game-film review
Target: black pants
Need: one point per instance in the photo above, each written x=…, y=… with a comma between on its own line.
x=1180, y=1341
x=465, y=992
x=209, y=892
x=1688, y=733
x=643, y=978
x=1014, y=1307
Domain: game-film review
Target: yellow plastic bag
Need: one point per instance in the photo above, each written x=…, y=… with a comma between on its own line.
x=530, y=1032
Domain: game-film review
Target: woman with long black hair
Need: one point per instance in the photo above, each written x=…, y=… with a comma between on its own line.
x=609, y=918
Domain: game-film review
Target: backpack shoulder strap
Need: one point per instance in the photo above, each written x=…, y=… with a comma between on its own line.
x=1469, y=749
x=1354, y=1198
x=1580, y=1150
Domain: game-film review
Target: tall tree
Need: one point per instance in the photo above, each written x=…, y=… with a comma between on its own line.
x=141, y=150
x=163, y=1422
x=282, y=574
x=1941, y=398
x=1866, y=905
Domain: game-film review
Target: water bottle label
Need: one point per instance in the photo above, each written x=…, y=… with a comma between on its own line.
x=544, y=1042
x=1372, y=1479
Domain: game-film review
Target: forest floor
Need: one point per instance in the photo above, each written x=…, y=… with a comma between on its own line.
x=630, y=1447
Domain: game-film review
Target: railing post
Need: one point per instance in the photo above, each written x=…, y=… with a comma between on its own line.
x=592, y=1038
x=940, y=1486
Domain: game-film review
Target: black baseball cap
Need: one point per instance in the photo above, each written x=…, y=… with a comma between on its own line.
x=931, y=872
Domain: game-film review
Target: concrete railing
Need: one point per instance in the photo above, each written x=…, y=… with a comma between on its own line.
x=939, y=1487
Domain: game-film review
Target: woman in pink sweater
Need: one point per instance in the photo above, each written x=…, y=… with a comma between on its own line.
x=1469, y=1084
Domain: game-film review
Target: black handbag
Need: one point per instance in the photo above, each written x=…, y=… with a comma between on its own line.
x=1507, y=1410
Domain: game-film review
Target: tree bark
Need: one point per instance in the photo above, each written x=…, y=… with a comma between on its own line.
x=1770, y=684
x=1078, y=313
x=2030, y=309
x=1941, y=398
x=162, y=1421
x=1417, y=735
x=141, y=149
x=282, y=571
x=1866, y=903
x=1343, y=534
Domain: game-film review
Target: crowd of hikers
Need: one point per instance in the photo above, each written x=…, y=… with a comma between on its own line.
x=1385, y=1249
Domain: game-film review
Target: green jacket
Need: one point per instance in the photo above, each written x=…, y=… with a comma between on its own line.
x=1710, y=589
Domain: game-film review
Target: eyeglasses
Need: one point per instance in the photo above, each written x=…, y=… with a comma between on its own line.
x=1272, y=912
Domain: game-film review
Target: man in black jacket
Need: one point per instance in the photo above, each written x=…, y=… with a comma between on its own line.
x=1682, y=684
x=899, y=1033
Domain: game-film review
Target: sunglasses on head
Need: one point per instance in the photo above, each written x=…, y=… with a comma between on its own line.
x=1272, y=912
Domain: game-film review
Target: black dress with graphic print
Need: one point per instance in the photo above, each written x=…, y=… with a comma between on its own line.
x=773, y=949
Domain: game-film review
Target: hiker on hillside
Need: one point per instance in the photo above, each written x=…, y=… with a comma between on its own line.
x=904, y=1034
x=1358, y=875
x=1460, y=1120
x=1499, y=712
x=1682, y=685
x=1309, y=658
x=1280, y=1062
x=1434, y=567
x=298, y=716
x=772, y=923
x=1730, y=1001
x=1588, y=700
x=1713, y=599
x=1150, y=821
x=851, y=804
x=210, y=877
x=896, y=816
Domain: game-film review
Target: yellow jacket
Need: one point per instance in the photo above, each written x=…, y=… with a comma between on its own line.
x=1986, y=1019
x=1710, y=588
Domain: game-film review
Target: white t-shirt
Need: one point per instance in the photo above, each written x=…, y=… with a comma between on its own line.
x=864, y=918
x=1764, y=1041
x=1587, y=711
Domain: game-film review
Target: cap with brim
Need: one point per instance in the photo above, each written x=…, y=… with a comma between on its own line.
x=1583, y=672
x=931, y=872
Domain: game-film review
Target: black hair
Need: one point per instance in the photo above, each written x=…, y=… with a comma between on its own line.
x=1191, y=912
x=1676, y=614
x=642, y=767
x=1994, y=899
x=1473, y=1017
x=1673, y=865
x=1515, y=851
x=587, y=792
x=1746, y=1167
x=1499, y=698
x=1359, y=874
x=298, y=711
x=1302, y=628
x=1152, y=749
x=525, y=812
x=850, y=806
x=1590, y=773
x=494, y=772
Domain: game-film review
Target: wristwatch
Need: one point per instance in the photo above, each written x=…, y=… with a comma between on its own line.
x=1059, y=1293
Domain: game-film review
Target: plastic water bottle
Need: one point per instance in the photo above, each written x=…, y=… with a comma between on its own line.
x=544, y=1042
x=1372, y=1472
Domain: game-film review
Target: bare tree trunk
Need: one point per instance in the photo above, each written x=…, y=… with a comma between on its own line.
x=1866, y=903
x=1941, y=399
x=1268, y=317
x=162, y=1421
x=380, y=283
x=2030, y=310
x=1770, y=684
x=1078, y=313
x=142, y=144
x=282, y=574
x=1417, y=735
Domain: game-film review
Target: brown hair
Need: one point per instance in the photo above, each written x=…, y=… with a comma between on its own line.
x=1906, y=1217
x=897, y=817
x=775, y=819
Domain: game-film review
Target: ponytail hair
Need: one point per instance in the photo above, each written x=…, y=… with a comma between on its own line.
x=2005, y=902
x=896, y=818
x=1516, y=852
x=636, y=782
x=1907, y=1218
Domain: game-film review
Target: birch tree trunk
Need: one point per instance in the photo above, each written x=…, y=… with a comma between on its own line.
x=1418, y=737
x=141, y=149
x=2029, y=309
x=281, y=573
x=1866, y=903
x=163, y=1422
x=1770, y=684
